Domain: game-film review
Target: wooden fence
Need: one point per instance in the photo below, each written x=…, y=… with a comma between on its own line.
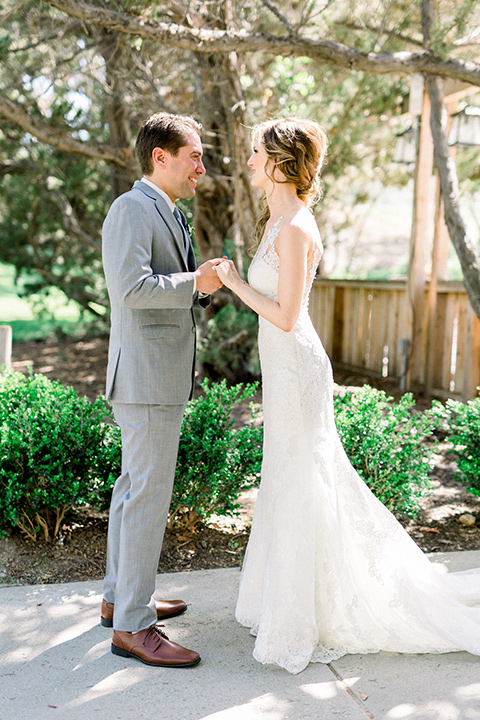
x=366, y=326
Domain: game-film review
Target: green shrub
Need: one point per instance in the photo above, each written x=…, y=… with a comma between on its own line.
x=385, y=442
x=229, y=348
x=216, y=460
x=56, y=452
x=463, y=434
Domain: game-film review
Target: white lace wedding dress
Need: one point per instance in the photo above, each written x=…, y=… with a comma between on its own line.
x=328, y=569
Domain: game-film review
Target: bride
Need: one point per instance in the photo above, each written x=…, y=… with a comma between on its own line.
x=328, y=569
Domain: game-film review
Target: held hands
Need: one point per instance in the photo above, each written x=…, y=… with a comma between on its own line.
x=215, y=273
x=227, y=272
x=207, y=279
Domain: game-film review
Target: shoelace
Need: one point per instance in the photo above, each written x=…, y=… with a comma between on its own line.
x=154, y=632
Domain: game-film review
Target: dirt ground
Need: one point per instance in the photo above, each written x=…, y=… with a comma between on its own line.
x=79, y=553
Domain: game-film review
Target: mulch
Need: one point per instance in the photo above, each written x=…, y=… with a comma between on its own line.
x=79, y=552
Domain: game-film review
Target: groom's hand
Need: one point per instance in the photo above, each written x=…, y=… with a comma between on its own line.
x=207, y=279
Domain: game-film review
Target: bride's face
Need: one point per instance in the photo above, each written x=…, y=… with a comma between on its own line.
x=260, y=164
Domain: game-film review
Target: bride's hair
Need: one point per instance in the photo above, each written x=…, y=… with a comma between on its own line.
x=297, y=148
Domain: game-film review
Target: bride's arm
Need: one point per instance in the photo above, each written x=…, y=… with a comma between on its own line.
x=292, y=246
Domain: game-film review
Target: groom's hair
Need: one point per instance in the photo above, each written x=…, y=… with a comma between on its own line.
x=163, y=130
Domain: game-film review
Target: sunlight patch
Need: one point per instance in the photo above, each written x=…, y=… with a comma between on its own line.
x=402, y=711
x=469, y=691
x=322, y=691
x=268, y=706
x=114, y=683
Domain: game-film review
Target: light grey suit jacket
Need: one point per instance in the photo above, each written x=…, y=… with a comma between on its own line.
x=150, y=282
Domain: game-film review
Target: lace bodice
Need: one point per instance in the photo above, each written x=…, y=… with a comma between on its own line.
x=267, y=254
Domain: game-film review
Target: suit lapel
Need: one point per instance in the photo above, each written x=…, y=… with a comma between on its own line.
x=167, y=215
x=173, y=225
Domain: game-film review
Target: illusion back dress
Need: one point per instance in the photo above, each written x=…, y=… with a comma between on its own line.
x=328, y=569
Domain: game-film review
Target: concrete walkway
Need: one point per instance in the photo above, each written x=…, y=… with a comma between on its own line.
x=55, y=663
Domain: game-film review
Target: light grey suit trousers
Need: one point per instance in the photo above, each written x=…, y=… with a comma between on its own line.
x=139, y=509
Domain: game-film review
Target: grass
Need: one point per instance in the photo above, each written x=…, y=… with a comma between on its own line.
x=36, y=317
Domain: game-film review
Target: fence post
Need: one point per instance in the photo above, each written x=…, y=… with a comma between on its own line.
x=5, y=347
x=338, y=321
x=403, y=345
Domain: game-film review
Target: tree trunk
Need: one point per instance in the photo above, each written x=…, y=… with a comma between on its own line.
x=214, y=197
x=447, y=173
x=225, y=205
x=463, y=244
x=113, y=50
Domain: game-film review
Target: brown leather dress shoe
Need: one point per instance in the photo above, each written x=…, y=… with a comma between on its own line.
x=152, y=647
x=165, y=609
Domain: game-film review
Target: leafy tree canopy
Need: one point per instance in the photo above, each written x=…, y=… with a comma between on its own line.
x=77, y=79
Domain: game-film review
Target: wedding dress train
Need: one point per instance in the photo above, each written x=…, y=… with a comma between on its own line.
x=328, y=569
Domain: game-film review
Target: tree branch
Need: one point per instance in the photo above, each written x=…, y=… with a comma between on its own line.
x=464, y=245
x=37, y=42
x=472, y=38
x=225, y=41
x=447, y=174
x=4, y=18
x=384, y=31
x=122, y=157
x=72, y=224
x=16, y=168
x=273, y=9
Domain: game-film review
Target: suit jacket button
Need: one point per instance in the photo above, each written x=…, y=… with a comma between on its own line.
x=193, y=330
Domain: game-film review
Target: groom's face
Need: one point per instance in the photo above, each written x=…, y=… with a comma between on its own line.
x=181, y=172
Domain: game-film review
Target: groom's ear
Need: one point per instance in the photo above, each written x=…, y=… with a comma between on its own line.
x=158, y=156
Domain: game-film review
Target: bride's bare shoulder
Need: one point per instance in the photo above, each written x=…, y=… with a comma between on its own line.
x=300, y=227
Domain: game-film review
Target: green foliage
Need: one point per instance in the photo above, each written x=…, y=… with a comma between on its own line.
x=56, y=452
x=45, y=327
x=60, y=451
x=42, y=316
x=96, y=89
x=463, y=434
x=385, y=442
x=216, y=460
x=229, y=348
x=451, y=21
x=41, y=221
x=52, y=202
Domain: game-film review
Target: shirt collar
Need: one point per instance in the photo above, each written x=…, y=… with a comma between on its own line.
x=161, y=192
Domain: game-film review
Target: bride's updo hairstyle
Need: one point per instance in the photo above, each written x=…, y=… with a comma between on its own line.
x=297, y=148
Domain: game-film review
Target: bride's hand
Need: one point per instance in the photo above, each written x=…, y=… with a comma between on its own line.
x=227, y=273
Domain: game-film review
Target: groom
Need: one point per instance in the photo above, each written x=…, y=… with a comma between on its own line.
x=153, y=284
